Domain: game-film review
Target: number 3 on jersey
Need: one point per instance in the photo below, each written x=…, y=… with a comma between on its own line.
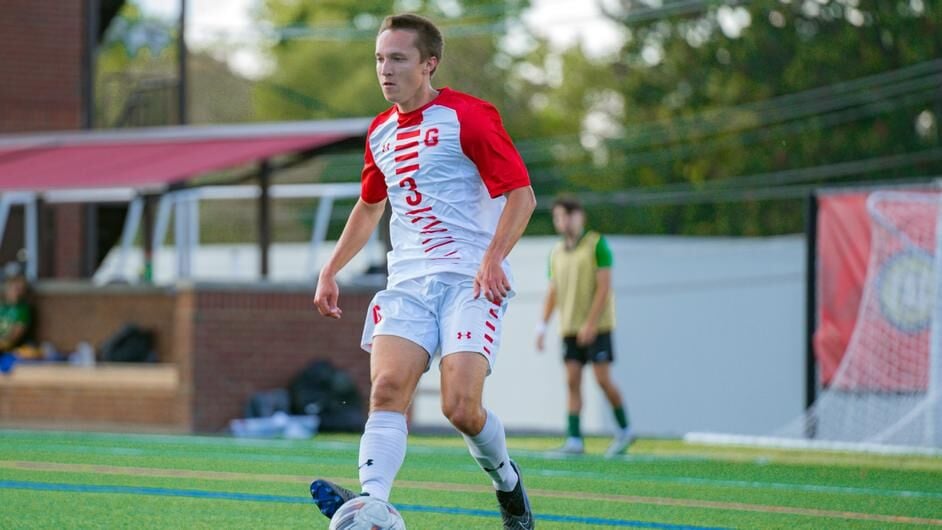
x=409, y=184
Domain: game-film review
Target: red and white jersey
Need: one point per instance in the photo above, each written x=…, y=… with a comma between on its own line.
x=444, y=168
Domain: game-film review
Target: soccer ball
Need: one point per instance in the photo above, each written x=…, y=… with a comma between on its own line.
x=367, y=513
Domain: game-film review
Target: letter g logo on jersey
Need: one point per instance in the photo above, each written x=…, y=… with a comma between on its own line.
x=431, y=137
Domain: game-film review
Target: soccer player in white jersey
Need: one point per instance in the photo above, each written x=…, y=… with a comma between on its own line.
x=460, y=199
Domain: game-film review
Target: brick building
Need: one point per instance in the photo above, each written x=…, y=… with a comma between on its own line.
x=216, y=344
x=47, y=86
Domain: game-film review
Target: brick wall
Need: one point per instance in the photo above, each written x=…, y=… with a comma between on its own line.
x=250, y=340
x=226, y=343
x=107, y=407
x=42, y=44
x=40, y=67
x=67, y=314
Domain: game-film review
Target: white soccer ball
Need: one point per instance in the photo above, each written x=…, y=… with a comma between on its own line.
x=367, y=513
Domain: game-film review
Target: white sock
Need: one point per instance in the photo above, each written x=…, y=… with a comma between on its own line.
x=382, y=451
x=489, y=448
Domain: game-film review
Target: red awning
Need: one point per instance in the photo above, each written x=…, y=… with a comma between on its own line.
x=153, y=158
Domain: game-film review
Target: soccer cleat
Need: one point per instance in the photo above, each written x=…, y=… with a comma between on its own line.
x=623, y=439
x=329, y=497
x=573, y=446
x=515, y=505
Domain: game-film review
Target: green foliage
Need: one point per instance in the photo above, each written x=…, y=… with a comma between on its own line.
x=694, y=119
x=137, y=77
x=694, y=125
x=323, y=54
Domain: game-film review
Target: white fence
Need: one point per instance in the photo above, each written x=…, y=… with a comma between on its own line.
x=710, y=337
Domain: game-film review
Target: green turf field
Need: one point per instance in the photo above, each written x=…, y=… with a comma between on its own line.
x=87, y=480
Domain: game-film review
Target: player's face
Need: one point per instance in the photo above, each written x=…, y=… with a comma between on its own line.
x=568, y=224
x=14, y=289
x=403, y=75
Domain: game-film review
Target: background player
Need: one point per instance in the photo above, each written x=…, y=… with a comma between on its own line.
x=581, y=288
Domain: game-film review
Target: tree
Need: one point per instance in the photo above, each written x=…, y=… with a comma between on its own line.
x=322, y=54
x=136, y=83
x=705, y=97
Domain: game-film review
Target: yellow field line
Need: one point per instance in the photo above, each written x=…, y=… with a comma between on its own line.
x=446, y=486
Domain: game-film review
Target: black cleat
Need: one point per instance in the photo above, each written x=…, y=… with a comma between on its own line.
x=515, y=505
x=329, y=497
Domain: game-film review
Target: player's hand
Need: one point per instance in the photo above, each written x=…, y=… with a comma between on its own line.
x=587, y=334
x=326, y=297
x=491, y=281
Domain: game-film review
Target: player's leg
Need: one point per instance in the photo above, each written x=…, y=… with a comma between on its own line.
x=471, y=336
x=603, y=375
x=602, y=355
x=400, y=331
x=396, y=365
x=463, y=375
x=575, y=358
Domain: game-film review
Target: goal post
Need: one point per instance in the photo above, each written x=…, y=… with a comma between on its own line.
x=884, y=391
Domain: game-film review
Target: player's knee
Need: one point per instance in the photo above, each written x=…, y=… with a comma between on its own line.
x=574, y=386
x=387, y=393
x=465, y=414
x=603, y=380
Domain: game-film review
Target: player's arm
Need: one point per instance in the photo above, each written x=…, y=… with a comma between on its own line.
x=360, y=225
x=491, y=280
x=549, y=305
x=487, y=144
x=603, y=285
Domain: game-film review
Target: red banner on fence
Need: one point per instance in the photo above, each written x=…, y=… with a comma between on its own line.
x=843, y=252
x=876, y=290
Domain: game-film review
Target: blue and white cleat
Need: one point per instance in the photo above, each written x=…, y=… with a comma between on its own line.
x=329, y=497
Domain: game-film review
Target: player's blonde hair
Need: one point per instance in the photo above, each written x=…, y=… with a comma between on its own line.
x=428, y=38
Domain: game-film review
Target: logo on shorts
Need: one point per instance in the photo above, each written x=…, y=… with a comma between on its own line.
x=376, y=316
x=464, y=335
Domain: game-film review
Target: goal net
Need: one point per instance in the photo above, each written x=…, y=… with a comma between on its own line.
x=885, y=394
x=886, y=389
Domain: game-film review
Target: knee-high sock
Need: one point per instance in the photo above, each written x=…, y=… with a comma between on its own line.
x=382, y=451
x=489, y=448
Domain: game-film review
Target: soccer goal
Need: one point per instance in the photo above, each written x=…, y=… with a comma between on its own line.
x=885, y=395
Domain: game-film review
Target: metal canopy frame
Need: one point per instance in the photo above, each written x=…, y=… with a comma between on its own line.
x=183, y=204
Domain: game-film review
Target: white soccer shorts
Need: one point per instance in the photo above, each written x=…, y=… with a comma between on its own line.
x=440, y=314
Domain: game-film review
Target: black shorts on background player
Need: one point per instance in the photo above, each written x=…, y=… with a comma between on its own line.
x=600, y=351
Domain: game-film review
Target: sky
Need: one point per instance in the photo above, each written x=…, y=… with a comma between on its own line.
x=563, y=21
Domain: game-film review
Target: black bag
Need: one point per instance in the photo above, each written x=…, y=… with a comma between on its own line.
x=130, y=344
x=331, y=394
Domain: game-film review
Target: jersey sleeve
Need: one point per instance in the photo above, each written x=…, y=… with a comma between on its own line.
x=372, y=181
x=603, y=254
x=485, y=141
